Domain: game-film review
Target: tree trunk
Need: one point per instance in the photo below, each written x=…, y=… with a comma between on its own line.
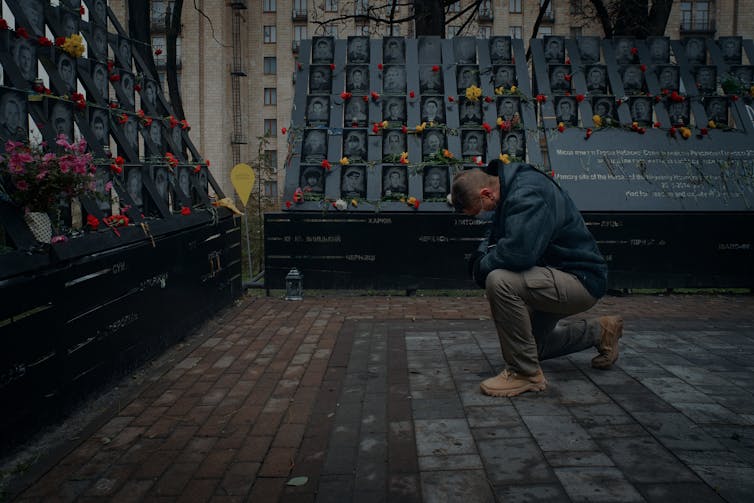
x=173, y=29
x=631, y=19
x=139, y=29
x=604, y=17
x=429, y=17
x=659, y=14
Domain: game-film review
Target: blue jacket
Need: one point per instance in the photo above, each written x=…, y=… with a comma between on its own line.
x=537, y=224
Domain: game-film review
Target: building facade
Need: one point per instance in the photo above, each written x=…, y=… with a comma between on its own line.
x=257, y=42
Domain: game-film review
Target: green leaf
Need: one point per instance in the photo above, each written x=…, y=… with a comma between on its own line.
x=297, y=481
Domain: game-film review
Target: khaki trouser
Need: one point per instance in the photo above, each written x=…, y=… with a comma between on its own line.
x=526, y=307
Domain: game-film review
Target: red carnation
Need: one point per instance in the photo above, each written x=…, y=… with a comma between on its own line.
x=379, y=66
x=411, y=94
x=59, y=41
x=283, y=130
x=451, y=99
x=435, y=68
x=541, y=98
x=3, y=24
x=634, y=51
x=345, y=95
x=185, y=210
x=21, y=32
x=326, y=164
x=120, y=161
x=92, y=222
x=657, y=125
x=487, y=99
x=114, y=77
x=288, y=204
x=643, y=68
x=44, y=41
x=332, y=66
x=197, y=168
x=579, y=98
x=82, y=10
x=375, y=96
x=486, y=127
x=404, y=129
x=157, y=51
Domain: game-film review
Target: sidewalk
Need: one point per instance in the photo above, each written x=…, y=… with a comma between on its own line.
x=377, y=399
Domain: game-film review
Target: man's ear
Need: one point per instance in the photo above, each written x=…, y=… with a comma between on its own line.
x=485, y=192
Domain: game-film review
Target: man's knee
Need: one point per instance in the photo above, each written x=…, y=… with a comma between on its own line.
x=501, y=281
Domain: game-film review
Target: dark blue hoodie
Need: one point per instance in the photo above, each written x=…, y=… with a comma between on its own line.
x=537, y=224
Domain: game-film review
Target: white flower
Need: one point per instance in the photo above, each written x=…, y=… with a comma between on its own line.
x=449, y=198
x=340, y=205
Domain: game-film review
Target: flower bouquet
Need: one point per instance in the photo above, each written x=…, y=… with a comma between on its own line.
x=35, y=179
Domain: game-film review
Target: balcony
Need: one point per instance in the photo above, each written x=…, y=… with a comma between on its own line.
x=704, y=28
x=239, y=4
x=295, y=46
x=300, y=14
x=485, y=15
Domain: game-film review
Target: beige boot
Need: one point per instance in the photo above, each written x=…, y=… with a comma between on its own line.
x=511, y=383
x=612, y=330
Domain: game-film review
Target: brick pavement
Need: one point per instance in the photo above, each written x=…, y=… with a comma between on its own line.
x=376, y=399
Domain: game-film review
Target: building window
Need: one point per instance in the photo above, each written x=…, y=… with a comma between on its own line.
x=270, y=96
x=515, y=32
x=514, y=6
x=452, y=31
x=485, y=31
x=270, y=65
x=330, y=30
x=158, y=13
x=455, y=6
x=300, y=33
x=544, y=30
x=695, y=16
x=548, y=11
x=362, y=6
x=270, y=34
x=362, y=30
x=270, y=126
x=300, y=7
x=158, y=42
x=331, y=5
x=269, y=5
x=271, y=189
x=271, y=156
x=485, y=9
x=395, y=30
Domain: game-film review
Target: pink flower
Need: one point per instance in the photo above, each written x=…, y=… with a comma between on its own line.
x=22, y=185
x=41, y=174
x=11, y=145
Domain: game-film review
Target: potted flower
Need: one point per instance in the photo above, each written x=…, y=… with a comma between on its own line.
x=36, y=178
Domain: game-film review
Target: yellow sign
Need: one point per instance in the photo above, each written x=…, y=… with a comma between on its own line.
x=242, y=178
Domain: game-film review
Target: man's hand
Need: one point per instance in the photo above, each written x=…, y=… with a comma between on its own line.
x=474, y=264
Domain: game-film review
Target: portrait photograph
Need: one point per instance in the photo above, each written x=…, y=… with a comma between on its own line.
x=183, y=180
x=467, y=76
x=622, y=50
x=357, y=79
x=134, y=184
x=679, y=113
x=322, y=49
x=14, y=117
x=355, y=113
x=358, y=49
x=102, y=177
x=314, y=147
x=394, y=109
x=731, y=49
x=560, y=78
x=160, y=176
x=320, y=79
x=176, y=135
x=716, y=109
x=99, y=122
x=433, y=141
x=430, y=50
x=505, y=76
x=430, y=81
x=554, y=49
x=393, y=143
x=126, y=85
x=566, y=110
x=355, y=144
x=508, y=107
x=98, y=13
x=34, y=12
x=589, y=49
x=696, y=51
x=61, y=117
x=641, y=110
x=633, y=78
x=100, y=81
x=123, y=54
x=433, y=109
x=469, y=112
x=394, y=79
x=149, y=93
x=67, y=70
x=154, y=132
x=394, y=181
x=596, y=79
x=472, y=143
x=97, y=42
x=317, y=110
x=464, y=50
x=312, y=179
x=668, y=77
x=513, y=144
x=435, y=181
x=130, y=130
x=744, y=74
x=604, y=106
x=69, y=23
x=706, y=79
x=500, y=50
x=25, y=56
x=393, y=50
x=353, y=181
x=659, y=50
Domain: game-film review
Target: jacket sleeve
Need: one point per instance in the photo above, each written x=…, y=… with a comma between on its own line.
x=529, y=224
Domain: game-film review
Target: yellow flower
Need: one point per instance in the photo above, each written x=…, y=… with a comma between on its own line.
x=404, y=158
x=345, y=161
x=421, y=127
x=74, y=45
x=685, y=132
x=597, y=120
x=514, y=89
x=711, y=124
x=473, y=93
x=354, y=202
x=634, y=124
x=505, y=158
x=385, y=124
x=447, y=153
x=499, y=90
x=499, y=121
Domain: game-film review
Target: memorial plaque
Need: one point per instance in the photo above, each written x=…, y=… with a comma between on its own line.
x=61, y=118
x=394, y=181
x=357, y=79
x=508, y=107
x=318, y=110
x=393, y=144
x=102, y=177
x=25, y=56
x=355, y=113
x=353, y=183
x=314, y=148
x=560, y=81
x=322, y=49
x=320, y=79
x=430, y=81
x=433, y=141
x=430, y=50
x=641, y=110
x=622, y=47
x=659, y=50
x=706, y=79
x=183, y=182
x=155, y=136
x=470, y=112
x=69, y=22
x=668, y=77
x=467, y=76
x=716, y=108
x=433, y=109
x=14, y=118
x=358, y=49
x=554, y=49
x=731, y=49
x=589, y=49
x=97, y=38
x=130, y=130
x=436, y=182
x=505, y=76
x=633, y=79
x=596, y=79
x=160, y=177
x=500, y=50
x=134, y=184
x=312, y=180
x=67, y=70
x=123, y=55
x=355, y=144
x=394, y=109
x=696, y=51
x=464, y=50
x=566, y=110
x=99, y=122
x=394, y=79
x=513, y=144
x=34, y=12
x=473, y=144
x=98, y=13
x=604, y=106
x=679, y=113
x=393, y=50
x=126, y=84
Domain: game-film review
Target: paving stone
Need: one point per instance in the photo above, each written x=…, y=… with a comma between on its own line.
x=598, y=485
x=676, y=431
x=571, y=392
x=734, y=484
x=443, y=436
x=404, y=488
x=710, y=413
x=577, y=458
x=679, y=493
x=437, y=408
x=559, y=433
x=334, y=489
x=465, y=485
x=644, y=460
x=454, y=462
x=543, y=493
x=674, y=390
x=514, y=461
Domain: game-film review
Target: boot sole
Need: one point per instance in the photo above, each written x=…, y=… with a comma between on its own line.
x=606, y=366
x=515, y=391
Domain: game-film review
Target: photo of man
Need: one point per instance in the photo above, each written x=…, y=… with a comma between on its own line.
x=505, y=76
x=470, y=112
x=34, y=13
x=395, y=80
x=355, y=113
x=744, y=74
x=513, y=144
x=155, y=135
x=589, y=48
x=358, y=49
x=97, y=48
x=394, y=109
x=706, y=79
x=355, y=145
x=100, y=80
x=464, y=50
x=69, y=23
x=603, y=106
x=124, y=53
x=320, y=80
x=432, y=143
x=696, y=51
x=67, y=70
x=622, y=47
x=127, y=90
x=149, y=93
x=472, y=143
x=393, y=144
x=322, y=50
x=554, y=49
x=311, y=179
x=430, y=81
x=435, y=182
x=667, y=77
x=641, y=110
x=14, y=123
x=25, y=57
x=559, y=81
x=392, y=50
x=315, y=145
x=430, y=50
x=318, y=110
x=679, y=113
x=394, y=181
x=134, y=184
x=99, y=12
x=508, y=107
x=596, y=81
x=717, y=109
x=353, y=182
x=357, y=79
x=467, y=76
x=98, y=121
x=433, y=110
x=131, y=132
x=61, y=117
x=633, y=79
x=659, y=50
x=160, y=178
x=731, y=49
x=500, y=50
x=566, y=111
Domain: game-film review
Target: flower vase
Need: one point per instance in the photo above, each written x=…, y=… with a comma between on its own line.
x=40, y=225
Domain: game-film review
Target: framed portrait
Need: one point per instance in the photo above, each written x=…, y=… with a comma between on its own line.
x=716, y=108
x=393, y=50
x=430, y=50
x=66, y=66
x=633, y=79
x=123, y=54
x=322, y=49
x=102, y=177
x=148, y=93
x=744, y=74
x=505, y=76
x=472, y=143
x=24, y=54
x=394, y=181
x=436, y=182
x=353, y=181
x=161, y=177
x=393, y=143
x=508, y=107
x=33, y=10
x=668, y=77
x=469, y=112
x=512, y=143
x=69, y=23
x=554, y=49
x=356, y=113
x=60, y=114
x=14, y=115
x=357, y=79
x=126, y=88
x=500, y=50
x=706, y=79
x=467, y=76
x=355, y=143
x=98, y=12
x=641, y=110
x=430, y=81
x=154, y=133
x=696, y=50
x=134, y=181
x=566, y=110
x=622, y=50
x=596, y=79
x=312, y=179
x=433, y=109
x=464, y=50
x=394, y=79
x=589, y=49
x=604, y=106
x=317, y=110
x=731, y=49
x=433, y=141
x=320, y=79
x=99, y=123
x=130, y=130
x=358, y=49
x=97, y=42
x=394, y=109
x=659, y=50
x=560, y=78
x=678, y=112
